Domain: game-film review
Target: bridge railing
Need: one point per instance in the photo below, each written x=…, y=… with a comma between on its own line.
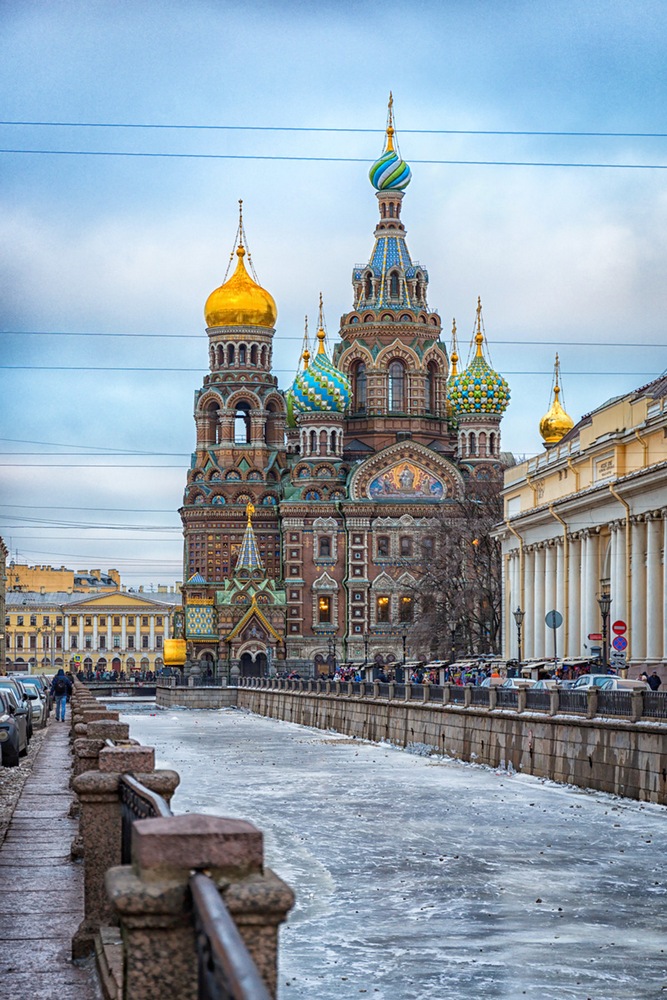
x=587, y=702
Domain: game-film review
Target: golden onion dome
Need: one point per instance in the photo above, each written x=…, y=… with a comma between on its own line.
x=240, y=301
x=555, y=424
x=174, y=652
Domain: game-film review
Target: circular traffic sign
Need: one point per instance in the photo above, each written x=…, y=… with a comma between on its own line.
x=619, y=628
x=553, y=619
x=620, y=643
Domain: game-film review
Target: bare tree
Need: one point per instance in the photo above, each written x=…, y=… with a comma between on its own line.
x=459, y=587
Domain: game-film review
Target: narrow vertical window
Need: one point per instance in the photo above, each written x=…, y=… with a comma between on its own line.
x=396, y=387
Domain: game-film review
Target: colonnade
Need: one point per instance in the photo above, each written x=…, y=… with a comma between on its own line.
x=568, y=572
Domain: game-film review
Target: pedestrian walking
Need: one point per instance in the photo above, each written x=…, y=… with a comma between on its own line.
x=61, y=689
x=654, y=681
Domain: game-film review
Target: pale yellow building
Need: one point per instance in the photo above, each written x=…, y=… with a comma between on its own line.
x=116, y=631
x=49, y=580
x=588, y=516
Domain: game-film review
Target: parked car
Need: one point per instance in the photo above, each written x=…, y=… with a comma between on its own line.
x=592, y=680
x=519, y=682
x=43, y=683
x=13, y=731
x=40, y=705
x=23, y=703
x=624, y=684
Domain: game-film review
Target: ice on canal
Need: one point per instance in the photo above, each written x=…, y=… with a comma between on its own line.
x=422, y=878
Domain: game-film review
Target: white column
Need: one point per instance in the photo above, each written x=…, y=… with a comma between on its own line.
x=538, y=627
x=590, y=587
x=549, y=594
x=664, y=584
x=619, y=574
x=573, y=610
x=529, y=597
x=638, y=591
x=560, y=595
x=654, y=596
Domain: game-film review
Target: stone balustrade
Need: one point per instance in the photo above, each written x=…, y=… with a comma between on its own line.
x=154, y=948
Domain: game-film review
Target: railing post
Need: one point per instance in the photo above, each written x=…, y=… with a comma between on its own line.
x=155, y=906
x=445, y=694
x=407, y=693
x=392, y=690
x=521, y=700
x=592, y=706
x=636, y=705
x=554, y=702
x=426, y=692
x=100, y=828
x=493, y=698
x=337, y=686
x=376, y=689
x=467, y=696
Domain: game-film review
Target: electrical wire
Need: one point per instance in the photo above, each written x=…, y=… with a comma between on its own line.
x=327, y=159
x=330, y=129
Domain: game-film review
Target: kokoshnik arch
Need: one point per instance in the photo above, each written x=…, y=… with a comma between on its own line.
x=307, y=513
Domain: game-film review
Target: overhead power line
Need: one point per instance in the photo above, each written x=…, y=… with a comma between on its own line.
x=182, y=127
x=278, y=371
x=280, y=338
x=328, y=159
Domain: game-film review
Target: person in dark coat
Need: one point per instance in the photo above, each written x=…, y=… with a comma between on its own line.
x=61, y=689
x=653, y=681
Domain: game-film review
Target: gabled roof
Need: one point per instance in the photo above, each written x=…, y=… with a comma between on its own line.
x=253, y=612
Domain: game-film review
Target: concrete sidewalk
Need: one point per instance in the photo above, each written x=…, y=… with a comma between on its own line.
x=41, y=902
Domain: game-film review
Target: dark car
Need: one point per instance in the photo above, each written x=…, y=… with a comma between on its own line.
x=13, y=736
x=23, y=702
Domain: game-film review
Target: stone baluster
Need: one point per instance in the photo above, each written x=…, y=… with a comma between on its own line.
x=155, y=908
x=100, y=828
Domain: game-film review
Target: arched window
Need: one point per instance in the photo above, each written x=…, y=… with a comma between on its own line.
x=253, y=354
x=242, y=424
x=242, y=354
x=472, y=444
x=324, y=547
x=394, y=285
x=430, y=387
x=313, y=442
x=359, y=383
x=406, y=608
x=492, y=443
x=396, y=395
x=482, y=445
x=368, y=287
x=230, y=354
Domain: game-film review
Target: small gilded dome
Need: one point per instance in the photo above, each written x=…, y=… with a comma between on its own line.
x=555, y=424
x=240, y=301
x=321, y=387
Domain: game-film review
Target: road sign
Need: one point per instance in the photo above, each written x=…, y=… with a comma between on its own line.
x=620, y=643
x=619, y=628
x=616, y=656
x=553, y=619
x=595, y=636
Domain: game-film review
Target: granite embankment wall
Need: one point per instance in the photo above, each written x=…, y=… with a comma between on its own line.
x=622, y=757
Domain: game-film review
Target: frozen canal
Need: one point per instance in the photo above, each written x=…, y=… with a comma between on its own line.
x=419, y=878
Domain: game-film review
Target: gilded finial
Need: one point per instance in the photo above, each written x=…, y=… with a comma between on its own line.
x=320, y=329
x=390, y=124
x=250, y=510
x=305, y=350
x=479, y=336
x=454, y=357
x=555, y=424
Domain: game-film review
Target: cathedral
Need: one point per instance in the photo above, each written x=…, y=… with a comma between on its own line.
x=309, y=511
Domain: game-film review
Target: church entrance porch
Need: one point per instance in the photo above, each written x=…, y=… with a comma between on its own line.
x=256, y=667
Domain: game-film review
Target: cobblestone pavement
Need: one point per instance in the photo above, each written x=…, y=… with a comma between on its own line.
x=41, y=903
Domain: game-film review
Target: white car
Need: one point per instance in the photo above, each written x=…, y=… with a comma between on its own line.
x=40, y=706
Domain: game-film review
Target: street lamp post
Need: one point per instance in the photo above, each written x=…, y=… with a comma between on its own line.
x=604, y=600
x=519, y=616
x=366, y=638
x=332, y=651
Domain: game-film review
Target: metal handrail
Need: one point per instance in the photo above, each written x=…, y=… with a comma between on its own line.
x=226, y=970
x=137, y=802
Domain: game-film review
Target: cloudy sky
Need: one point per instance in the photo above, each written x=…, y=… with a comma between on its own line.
x=106, y=260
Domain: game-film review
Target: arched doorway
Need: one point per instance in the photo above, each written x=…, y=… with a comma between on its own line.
x=253, y=668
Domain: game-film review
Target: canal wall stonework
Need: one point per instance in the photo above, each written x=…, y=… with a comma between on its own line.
x=621, y=757
x=195, y=697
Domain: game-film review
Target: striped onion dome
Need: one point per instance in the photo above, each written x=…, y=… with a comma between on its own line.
x=320, y=387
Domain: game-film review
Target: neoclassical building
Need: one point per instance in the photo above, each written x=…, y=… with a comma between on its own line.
x=587, y=517
x=308, y=511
